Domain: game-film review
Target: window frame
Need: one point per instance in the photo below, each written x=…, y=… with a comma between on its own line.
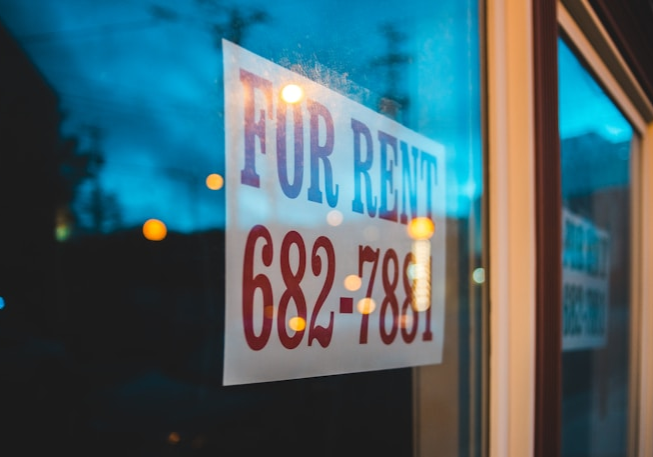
x=515, y=416
x=512, y=227
x=584, y=30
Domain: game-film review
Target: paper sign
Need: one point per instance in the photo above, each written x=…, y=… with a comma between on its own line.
x=585, y=278
x=322, y=276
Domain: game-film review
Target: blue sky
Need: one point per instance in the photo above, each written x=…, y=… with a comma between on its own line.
x=149, y=84
x=584, y=105
x=148, y=74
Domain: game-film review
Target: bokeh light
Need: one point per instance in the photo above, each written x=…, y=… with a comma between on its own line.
x=421, y=228
x=406, y=321
x=62, y=232
x=292, y=93
x=297, y=324
x=366, y=305
x=214, y=181
x=174, y=438
x=410, y=271
x=352, y=282
x=154, y=230
x=334, y=218
x=479, y=275
x=421, y=274
x=63, y=224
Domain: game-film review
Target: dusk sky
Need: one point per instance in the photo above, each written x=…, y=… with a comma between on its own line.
x=148, y=75
x=584, y=105
x=118, y=67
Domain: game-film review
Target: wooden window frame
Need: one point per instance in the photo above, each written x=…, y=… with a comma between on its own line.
x=582, y=26
x=524, y=256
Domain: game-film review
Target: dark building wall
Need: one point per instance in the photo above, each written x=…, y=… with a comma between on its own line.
x=29, y=122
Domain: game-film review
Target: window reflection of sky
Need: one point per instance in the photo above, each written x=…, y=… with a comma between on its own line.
x=597, y=198
x=584, y=107
x=595, y=136
x=149, y=77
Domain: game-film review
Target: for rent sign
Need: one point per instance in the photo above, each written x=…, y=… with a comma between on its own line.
x=585, y=278
x=321, y=273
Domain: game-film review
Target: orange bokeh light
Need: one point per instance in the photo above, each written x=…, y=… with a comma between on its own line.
x=421, y=228
x=366, y=306
x=154, y=230
x=214, y=181
x=297, y=324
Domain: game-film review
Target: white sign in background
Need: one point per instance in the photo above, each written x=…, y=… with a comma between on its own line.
x=317, y=191
x=585, y=281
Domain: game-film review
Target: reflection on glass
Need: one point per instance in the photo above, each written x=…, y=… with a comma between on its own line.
x=174, y=438
x=62, y=226
x=366, y=306
x=292, y=93
x=421, y=228
x=406, y=321
x=116, y=112
x=353, y=282
x=296, y=324
x=127, y=118
x=334, y=218
x=214, y=181
x=154, y=230
x=421, y=274
x=478, y=275
x=596, y=186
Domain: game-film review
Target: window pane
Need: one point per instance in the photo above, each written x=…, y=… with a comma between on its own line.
x=115, y=192
x=596, y=143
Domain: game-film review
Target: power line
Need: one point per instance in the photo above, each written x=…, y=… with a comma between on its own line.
x=86, y=32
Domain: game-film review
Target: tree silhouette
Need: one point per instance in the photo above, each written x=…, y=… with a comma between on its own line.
x=81, y=203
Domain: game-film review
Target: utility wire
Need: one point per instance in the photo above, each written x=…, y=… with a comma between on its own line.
x=86, y=32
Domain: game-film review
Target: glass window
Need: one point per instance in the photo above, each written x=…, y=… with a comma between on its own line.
x=140, y=251
x=596, y=143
